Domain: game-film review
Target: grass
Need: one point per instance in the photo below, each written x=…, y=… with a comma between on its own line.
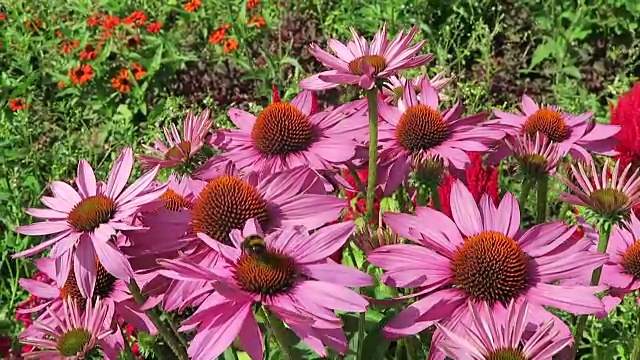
x=577, y=54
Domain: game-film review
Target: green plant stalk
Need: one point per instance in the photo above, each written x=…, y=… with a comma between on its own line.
x=603, y=242
x=128, y=354
x=635, y=352
x=399, y=349
x=524, y=193
x=435, y=196
x=372, y=103
x=361, y=321
x=356, y=178
x=174, y=328
x=412, y=350
x=541, y=201
x=280, y=333
x=165, y=332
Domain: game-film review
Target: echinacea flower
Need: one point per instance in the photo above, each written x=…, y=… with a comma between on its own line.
x=113, y=293
x=72, y=335
x=17, y=104
x=626, y=115
x=122, y=81
x=417, y=130
x=81, y=75
x=610, y=193
x=491, y=336
x=291, y=134
x=179, y=149
x=292, y=279
x=360, y=63
x=481, y=256
x=395, y=86
x=85, y=221
x=573, y=134
x=536, y=154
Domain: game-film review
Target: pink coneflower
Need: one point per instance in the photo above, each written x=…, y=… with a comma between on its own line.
x=482, y=256
x=181, y=148
x=292, y=279
x=72, y=335
x=492, y=336
x=574, y=134
x=395, y=87
x=360, y=63
x=113, y=294
x=286, y=135
x=536, y=154
x=610, y=193
x=416, y=130
x=86, y=221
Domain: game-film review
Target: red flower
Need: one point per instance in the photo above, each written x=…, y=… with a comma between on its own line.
x=3, y=16
x=154, y=27
x=81, y=74
x=361, y=204
x=121, y=82
x=17, y=104
x=95, y=20
x=627, y=115
x=88, y=53
x=110, y=22
x=138, y=71
x=136, y=18
x=133, y=42
x=229, y=46
x=481, y=179
x=252, y=4
x=67, y=46
x=258, y=21
x=218, y=34
x=192, y=5
x=5, y=347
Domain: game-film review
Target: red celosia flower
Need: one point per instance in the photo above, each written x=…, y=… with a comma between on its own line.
x=95, y=20
x=17, y=104
x=67, y=46
x=110, y=22
x=88, y=53
x=258, y=21
x=3, y=16
x=230, y=45
x=627, y=115
x=136, y=18
x=81, y=74
x=480, y=179
x=252, y=4
x=138, y=71
x=122, y=82
x=133, y=42
x=154, y=27
x=361, y=204
x=192, y=5
x=218, y=34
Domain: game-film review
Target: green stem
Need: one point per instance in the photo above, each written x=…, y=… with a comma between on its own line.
x=524, y=193
x=174, y=328
x=356, y=178
x=541, y=201
x=128, y=354
x=412, y=351
x=635, y=353
x=595, y=280
x=372, y=102
x=361, y=321
x=165, y=332
x=280, y=333
x=399, y=349
x=564, y=209
x=435, y=196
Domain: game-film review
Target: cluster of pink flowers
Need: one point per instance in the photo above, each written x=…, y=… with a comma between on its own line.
x=246, y=240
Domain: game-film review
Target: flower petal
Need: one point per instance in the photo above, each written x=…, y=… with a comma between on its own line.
x=465, y=210
x=86, y=179
x=120, y=173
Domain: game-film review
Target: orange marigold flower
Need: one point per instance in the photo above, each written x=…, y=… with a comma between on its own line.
x=133, y=42
x=229, y=46
x=252, y=4
x=88, y=53
x=136, y=18
x=3, y=16
x=67, y=46
x=121, y=81
x=258, y=21
x=81, y=74
x=61, y=84
x=138, y=70
x=192, y=5
x=218, y=35
x=110, y=22
x=95, y=20
x=17, y=104
x=154, y=27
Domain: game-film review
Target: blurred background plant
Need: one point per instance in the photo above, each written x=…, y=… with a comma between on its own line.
x=81, y=79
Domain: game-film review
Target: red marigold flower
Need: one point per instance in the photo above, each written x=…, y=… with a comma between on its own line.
x=252, y=4
x=258, y=21
x=154, y=27
x=230, y=45
x=136, y=18
x=480, y=179
x=627, y=115
x=95, y=20
x=138, y=70
x=218, y=34
x=17, y=104
x=192, y=5
x=110, y=22
x=88, y=53
x=81, y=74
x=121, y=81
x=67, y=46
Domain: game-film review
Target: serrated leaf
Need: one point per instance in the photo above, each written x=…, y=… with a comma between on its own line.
x=572, y=71
x=542, y=52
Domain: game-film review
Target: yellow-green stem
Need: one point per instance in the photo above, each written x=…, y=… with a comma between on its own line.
x=372, y=102
x=280, y=333
x=541, y=201
x=524, y=192
x=595, y=280
x=356, y=177
x=435, y=196
x=166, y=333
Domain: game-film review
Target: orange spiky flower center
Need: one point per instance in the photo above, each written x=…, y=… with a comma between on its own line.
x=91, y=212
x=267, y=274
x=631, y=260
x=282, y=129
x=377, y=62
x=421, y=128
x=548, y=122
x=174, y=201
x=104, y=286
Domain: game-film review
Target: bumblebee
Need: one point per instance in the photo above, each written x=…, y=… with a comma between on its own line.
x=254, y=245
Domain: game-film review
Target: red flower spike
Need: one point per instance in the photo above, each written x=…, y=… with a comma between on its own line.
x=315, y=108
x=276, y=96
x=627, y=115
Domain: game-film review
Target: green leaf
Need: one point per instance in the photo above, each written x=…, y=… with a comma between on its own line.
x=572, y=71
x=542, y=52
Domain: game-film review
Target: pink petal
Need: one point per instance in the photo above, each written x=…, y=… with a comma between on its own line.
x=46, y=214
x=298, y=210
x=332, y=296
x=315, y=83
x=335, y=273
x=113, y=260
x=63, y=191
x=40, y=247
x=509, y=215
x=465, y=210
x=86, y=179
x=576, y=300
x=84, y=267
x=209, y=343
x=324, y=242
x=528, y=105
x=40, y=289
x=251, y=338
x=339, y=78
x=120, y=173
x=137, y=187
x=43, y=228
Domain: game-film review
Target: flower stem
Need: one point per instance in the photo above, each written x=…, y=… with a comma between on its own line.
x=165, y=332
x=435, y=196
x=595, y=280
x=128, y=354
x=541, y=201
x=524, y=193
x=280, y=333
x=361, y=321
x=356, y=177
x=412, y=350
x=635, y=353
x=372, y=102
x=174, y=328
